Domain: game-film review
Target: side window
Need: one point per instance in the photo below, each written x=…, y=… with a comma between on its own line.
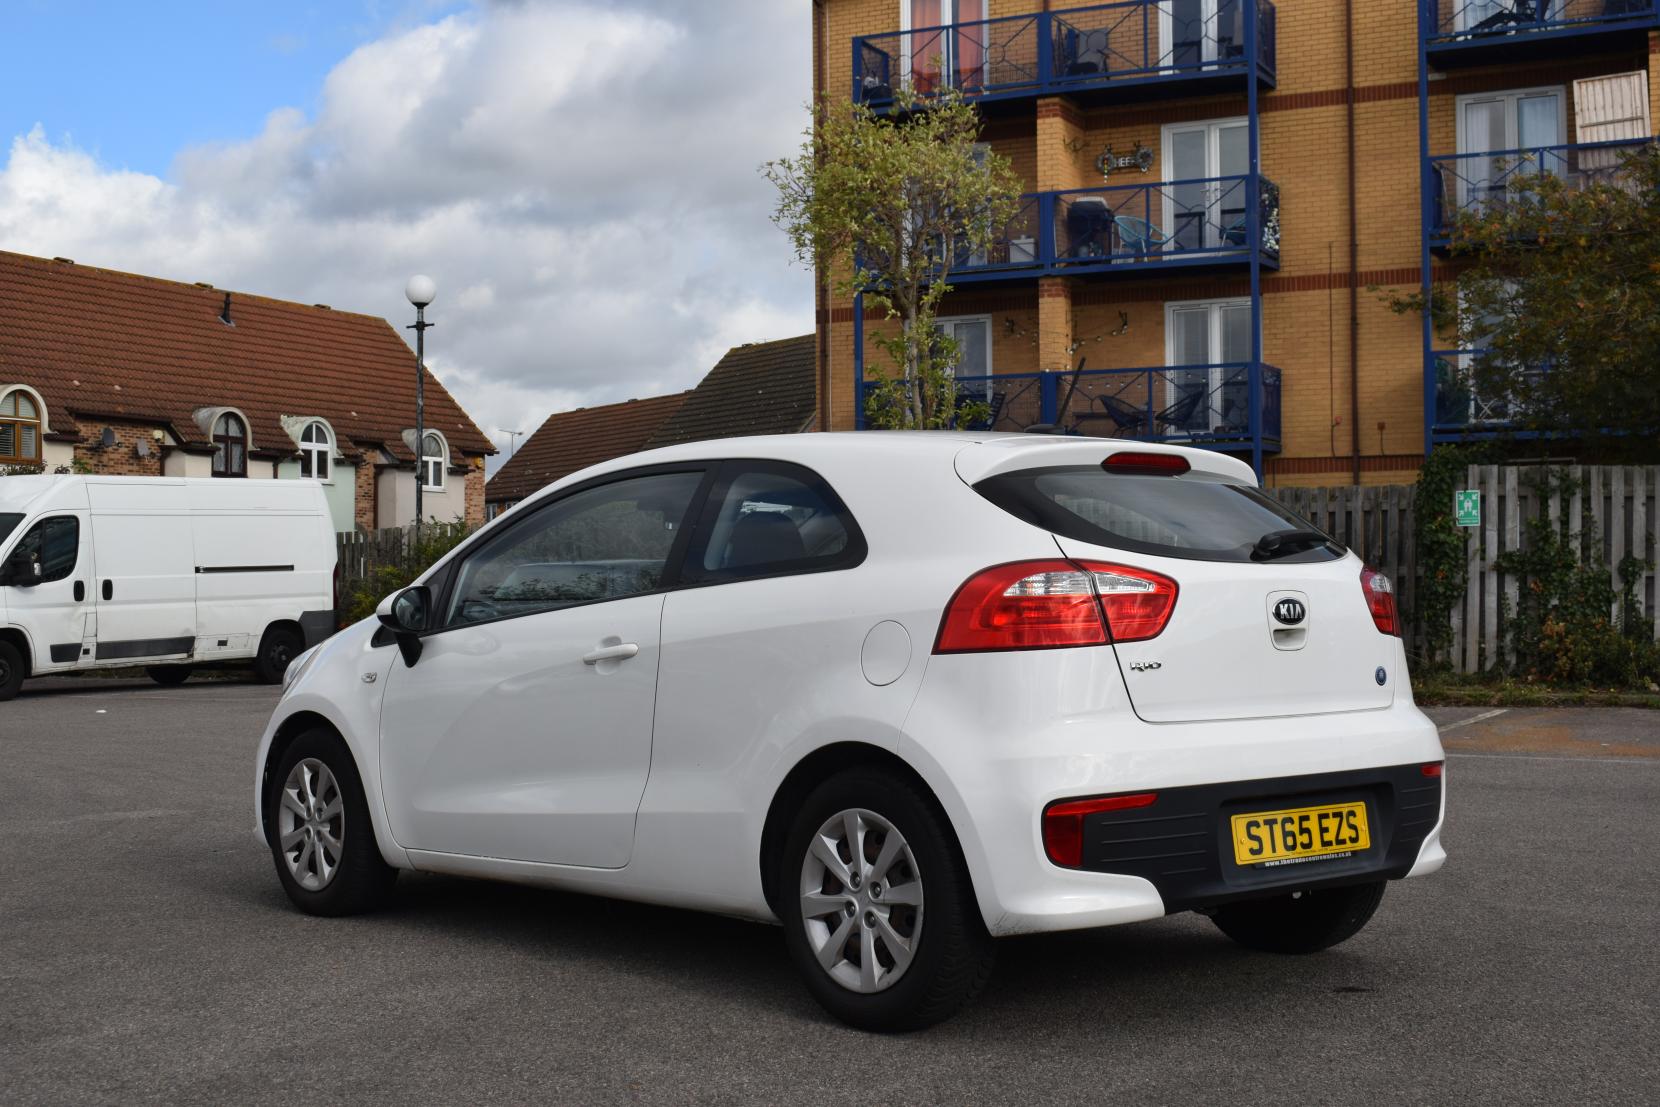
x=769, y=519
x=603, y=543
x=54, y=544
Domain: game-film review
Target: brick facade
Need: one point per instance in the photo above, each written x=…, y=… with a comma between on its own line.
x=122, y=458
x=1053, y=142
x=363, y=502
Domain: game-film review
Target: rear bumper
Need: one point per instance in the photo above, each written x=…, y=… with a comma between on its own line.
x=1182, y=844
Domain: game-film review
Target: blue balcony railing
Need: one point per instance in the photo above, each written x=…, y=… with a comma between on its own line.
x=1475, y=183
x=1202, y=221
x=1460, y=407
x=1485, y=22
x=1201, y=405
x=1044, y=53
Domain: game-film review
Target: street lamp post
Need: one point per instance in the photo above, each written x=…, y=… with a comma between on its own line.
x=420, y=292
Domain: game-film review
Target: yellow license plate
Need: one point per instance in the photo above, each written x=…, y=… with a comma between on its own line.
x=1284, y=837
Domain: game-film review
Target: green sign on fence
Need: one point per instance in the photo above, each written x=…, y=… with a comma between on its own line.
x=1467, y=507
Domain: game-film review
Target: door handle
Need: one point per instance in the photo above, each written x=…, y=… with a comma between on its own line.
x=618, y=652
x=109, y=590
x=80, y=591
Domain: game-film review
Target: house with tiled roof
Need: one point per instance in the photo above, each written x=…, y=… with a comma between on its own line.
x=113, y=372
x=572, y=440
x=757, y=388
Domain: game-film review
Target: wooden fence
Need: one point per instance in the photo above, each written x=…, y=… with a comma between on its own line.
x=361, y=552
x=1613, y=507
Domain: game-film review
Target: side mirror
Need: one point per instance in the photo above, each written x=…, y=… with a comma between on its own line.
x=406, y=614
x=24, y=572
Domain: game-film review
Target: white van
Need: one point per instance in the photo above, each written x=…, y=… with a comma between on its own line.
x=164, y=573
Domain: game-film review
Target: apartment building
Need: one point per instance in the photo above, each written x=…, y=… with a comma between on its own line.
x=1221, y=194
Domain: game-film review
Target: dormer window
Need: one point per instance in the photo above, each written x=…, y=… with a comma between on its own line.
x=19, y=429
x=316, y=448
x=435, y=458
x=230, y=446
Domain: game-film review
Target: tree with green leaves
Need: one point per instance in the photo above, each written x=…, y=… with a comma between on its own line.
x=1560, y=299
x=890, y=204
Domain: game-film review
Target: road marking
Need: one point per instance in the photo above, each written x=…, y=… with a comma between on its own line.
x=1548, y=757
x=1483, y=717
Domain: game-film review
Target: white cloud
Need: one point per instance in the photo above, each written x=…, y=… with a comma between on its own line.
x=579, y=178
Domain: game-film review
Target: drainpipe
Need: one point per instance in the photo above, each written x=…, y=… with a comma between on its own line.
x=1354, y=240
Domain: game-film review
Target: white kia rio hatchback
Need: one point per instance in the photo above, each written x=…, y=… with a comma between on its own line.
x=902, y=693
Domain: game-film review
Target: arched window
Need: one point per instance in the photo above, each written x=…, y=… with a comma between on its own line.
x=230, y=446
x=315, y=451
x=19, y=428
x=434, y=459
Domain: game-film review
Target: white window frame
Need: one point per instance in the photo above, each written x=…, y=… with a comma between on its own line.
x=1212, y=35
x=1512, y=125
x=425, y=460
x=991, y=371
x=1213, y=164
x=1215, y=376
x=324, y=448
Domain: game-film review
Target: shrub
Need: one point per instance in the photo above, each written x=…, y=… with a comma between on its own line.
x=361, y=596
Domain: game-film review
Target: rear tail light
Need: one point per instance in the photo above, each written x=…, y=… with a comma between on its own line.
x=1380, y=597
x=1146, y=464
x=1027, y=605
x=1136, y=602
x=1038, y=605
x=1433, y=769
x=1063, y=823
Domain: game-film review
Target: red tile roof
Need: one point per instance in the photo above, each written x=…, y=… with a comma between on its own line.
x=572, y=440
x=757, y=388
x=98, y=344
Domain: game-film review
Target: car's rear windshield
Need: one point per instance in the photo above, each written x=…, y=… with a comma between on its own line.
x=1189, y=516
x=8, y=523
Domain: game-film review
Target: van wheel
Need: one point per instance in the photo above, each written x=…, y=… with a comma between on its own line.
x=279, y=646
x=11, y=671
x=169, y=675
x=317, y=824
x=879, y=914
x=1301, y=922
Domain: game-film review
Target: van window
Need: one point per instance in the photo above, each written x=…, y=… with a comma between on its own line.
x=8, y=523
x=601, y=543
x=1187, y=516
x=775, y=518
x=54, y=543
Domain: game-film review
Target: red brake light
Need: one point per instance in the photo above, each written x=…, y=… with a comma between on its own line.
x=1026, y=605
x=1145, y=464
x=1380, y=597
x=1136, y=602
x=1063, y=823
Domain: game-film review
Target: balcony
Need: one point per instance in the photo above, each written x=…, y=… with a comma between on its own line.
x=1461, y=412
x=1485, y=32
x=1209, y=222
x=1140, y=47
x=1197, y=405
x=1473, y=183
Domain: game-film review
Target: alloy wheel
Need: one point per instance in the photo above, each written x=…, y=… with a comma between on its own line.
x=861, y=900
x=311, y=824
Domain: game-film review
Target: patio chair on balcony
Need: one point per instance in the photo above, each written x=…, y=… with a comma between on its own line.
x=1177, y=417
x=1139, y=236
x=1124, y=419
x=1084, y=53
x=1088, y=220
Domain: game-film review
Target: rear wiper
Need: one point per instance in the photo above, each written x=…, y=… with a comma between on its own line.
x=1284, y=543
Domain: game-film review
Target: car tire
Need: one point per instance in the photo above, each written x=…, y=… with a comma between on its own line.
x=1301, y=922
x=11, y=671
x=279, y=646
x=169, y=675
x=315, y=800
x=942, y=938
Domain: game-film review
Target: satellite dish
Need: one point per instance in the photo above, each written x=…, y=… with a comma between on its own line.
x=106, y=439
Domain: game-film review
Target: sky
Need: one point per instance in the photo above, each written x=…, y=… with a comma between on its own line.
x=579, y=178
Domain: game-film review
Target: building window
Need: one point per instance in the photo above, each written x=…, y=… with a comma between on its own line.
x=972, y=334
x=315, y=450
x=434, y=460
x=230, y=446
x=1208, y=347
x=19, y=428
x=1500, y=135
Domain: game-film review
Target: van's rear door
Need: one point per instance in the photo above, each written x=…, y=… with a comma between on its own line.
x=1256, y=631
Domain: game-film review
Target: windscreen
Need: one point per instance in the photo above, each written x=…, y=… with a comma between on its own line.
x=8, y=523
x=1189, y=516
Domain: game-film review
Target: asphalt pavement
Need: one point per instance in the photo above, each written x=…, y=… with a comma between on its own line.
x=147, y=954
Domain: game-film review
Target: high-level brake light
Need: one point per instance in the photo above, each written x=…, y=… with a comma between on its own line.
x=1146, y=464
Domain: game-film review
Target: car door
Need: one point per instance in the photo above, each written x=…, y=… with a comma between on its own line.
x=524, y=729
x=48, y=571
